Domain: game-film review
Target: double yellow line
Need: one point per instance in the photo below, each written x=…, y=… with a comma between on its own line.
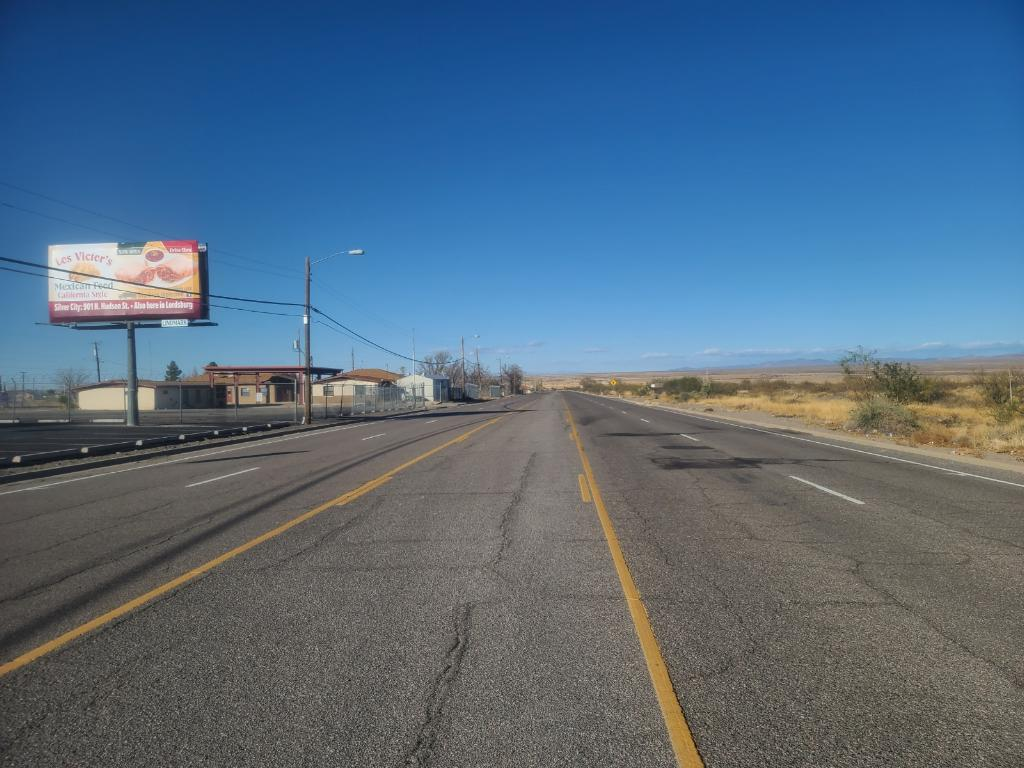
x=679, y=733
x=138, y=602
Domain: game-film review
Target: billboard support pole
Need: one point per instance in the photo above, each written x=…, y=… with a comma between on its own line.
x=132, y=384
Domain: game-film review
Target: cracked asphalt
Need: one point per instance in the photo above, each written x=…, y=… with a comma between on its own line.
x=465, y=611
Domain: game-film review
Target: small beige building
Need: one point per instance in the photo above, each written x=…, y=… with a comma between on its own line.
x=152, y=396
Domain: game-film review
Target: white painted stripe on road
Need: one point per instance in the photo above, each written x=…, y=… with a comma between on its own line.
x=689, y=437
x=107, y=421
x=222, y=477
x=826, y=490
x=373, y=436
x=727, y=423
x=52, y=421
x=645, y=420
x=430, y=422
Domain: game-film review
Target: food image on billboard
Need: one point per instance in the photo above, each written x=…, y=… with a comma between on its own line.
x=128, y=281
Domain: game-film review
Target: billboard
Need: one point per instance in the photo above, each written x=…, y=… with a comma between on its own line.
x=128, y=281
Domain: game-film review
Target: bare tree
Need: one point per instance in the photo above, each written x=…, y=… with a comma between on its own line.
x=436, y=364
x=514, y=376
x=70, y=379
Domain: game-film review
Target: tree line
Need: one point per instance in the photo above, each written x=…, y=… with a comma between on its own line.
x=444, y=363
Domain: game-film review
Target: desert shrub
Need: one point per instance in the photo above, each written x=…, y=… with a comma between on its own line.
x=900, y=382
x=820, y=387
x=999, y=388
x=857, y=366
x=1001, y=394
x=882, y=415
x=683, y=387
x=935, y=390
x=588, y=384
x=714, y=388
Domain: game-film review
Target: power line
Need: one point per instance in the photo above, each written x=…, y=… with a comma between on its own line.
x=362, y=338
x=359, y=337
x=355, y=335
x=245, y=261
x=58, y=218
x=138, y=293
x=151, y=288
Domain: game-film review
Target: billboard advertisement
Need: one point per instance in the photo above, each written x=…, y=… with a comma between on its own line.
x=128, y=281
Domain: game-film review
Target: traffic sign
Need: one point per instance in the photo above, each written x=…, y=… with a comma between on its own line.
x=174, y=323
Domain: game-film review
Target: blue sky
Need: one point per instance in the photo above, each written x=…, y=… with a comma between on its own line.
x=586, y=186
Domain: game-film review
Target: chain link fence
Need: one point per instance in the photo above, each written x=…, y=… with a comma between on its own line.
x=347, y=399
x=194, y=403
x=34, y=400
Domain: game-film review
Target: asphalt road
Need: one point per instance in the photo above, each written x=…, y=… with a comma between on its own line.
x=438, y=589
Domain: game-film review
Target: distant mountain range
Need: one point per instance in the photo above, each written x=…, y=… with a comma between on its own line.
x=958, y=361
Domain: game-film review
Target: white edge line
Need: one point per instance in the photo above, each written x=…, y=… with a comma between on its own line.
x=826, y=490
x=833, y=445
x=689, y=437
x=222, y=477
x=373, y=436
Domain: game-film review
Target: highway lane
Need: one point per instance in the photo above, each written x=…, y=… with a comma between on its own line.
x=800, y=625
x=462, y=612
x=456, y=602
x=74, y=545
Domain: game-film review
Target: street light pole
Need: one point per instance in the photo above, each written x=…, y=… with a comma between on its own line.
x=307, y=385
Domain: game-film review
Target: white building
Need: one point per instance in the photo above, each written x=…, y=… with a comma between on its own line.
x=435, y=388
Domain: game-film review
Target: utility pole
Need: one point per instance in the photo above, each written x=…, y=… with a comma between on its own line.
x=479, y=376
x=353, y=360
x=307, y=385
x=96, y=354
x=414, y=350
x=462, y=352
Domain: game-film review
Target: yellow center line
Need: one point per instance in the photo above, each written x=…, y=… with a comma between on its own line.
x=679, y=733
x=584, y=490
x=131, y=605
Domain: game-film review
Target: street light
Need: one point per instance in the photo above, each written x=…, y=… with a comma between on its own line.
x=307, y=387
x=479, y=379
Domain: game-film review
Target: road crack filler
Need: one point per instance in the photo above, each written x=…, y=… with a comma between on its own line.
x=423, y=750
